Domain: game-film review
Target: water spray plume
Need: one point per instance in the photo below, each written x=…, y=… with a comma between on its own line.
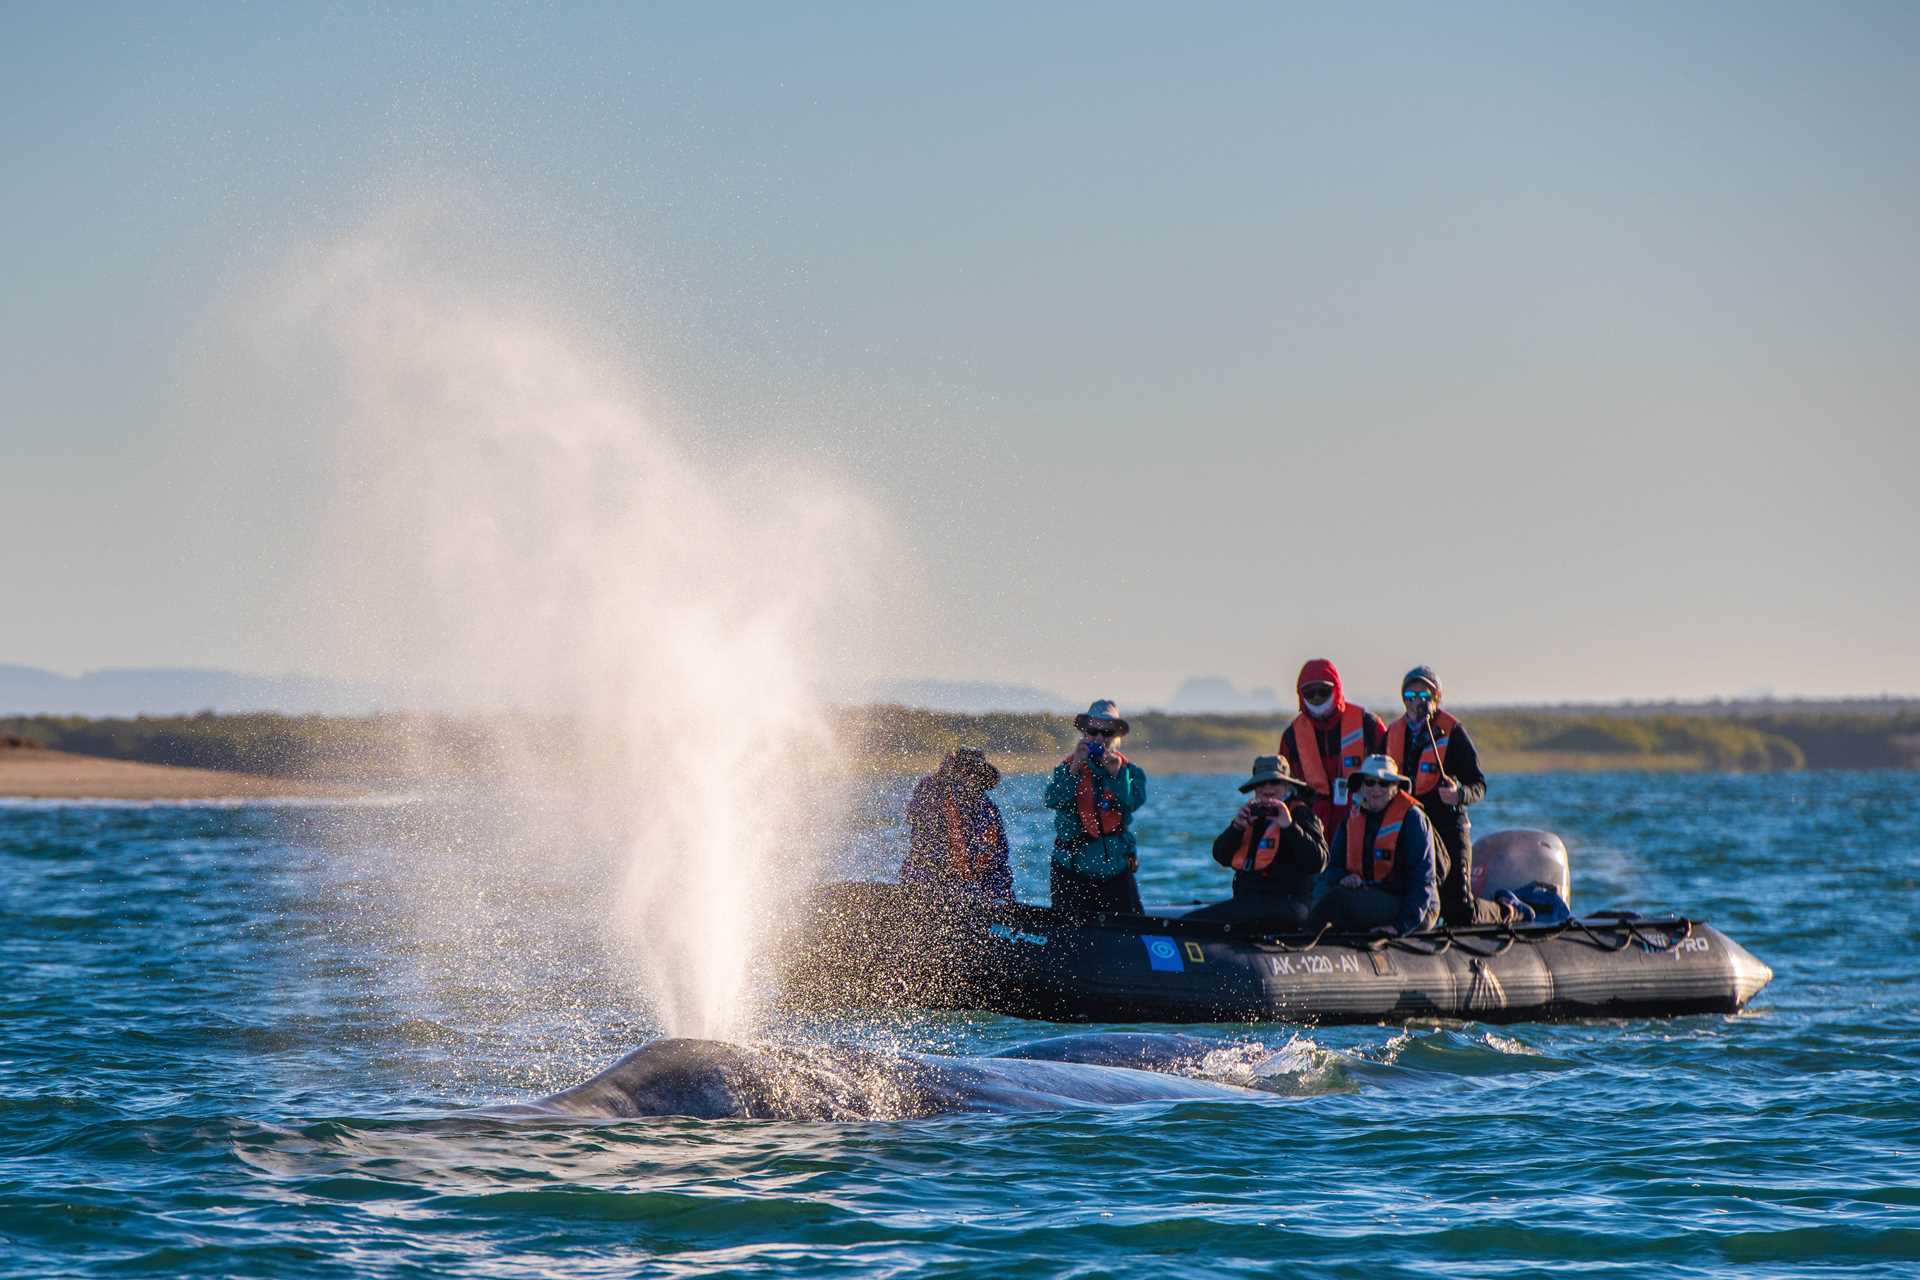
x=518, y=533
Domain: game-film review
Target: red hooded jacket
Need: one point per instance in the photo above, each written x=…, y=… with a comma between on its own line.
x=1334, y=745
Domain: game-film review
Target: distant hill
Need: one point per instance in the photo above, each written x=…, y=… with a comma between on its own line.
x=172, y=691
x=388, y=748
x=971, y=697
x=166, y=691
x=1216, y=695
x=158, y=691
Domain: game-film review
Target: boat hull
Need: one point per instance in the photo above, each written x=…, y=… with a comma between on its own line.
x=874, y=946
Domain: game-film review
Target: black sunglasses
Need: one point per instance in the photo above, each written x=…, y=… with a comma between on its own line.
x=1377, y=782
x=1315, y=691
x=1100, y=733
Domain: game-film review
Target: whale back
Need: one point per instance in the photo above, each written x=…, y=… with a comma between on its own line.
x=668, y=1077
x=1141, y=1050
x=717, y=1080
x=713, y=1080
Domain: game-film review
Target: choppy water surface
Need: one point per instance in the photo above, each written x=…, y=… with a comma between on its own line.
x=238, y=1041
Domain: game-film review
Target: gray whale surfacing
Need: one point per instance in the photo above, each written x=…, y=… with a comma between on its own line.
x=714, y=1080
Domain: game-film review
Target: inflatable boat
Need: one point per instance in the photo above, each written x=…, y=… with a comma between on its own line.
x=870, y=946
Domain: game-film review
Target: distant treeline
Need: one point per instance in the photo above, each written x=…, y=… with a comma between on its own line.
x=1749, y=742
x=389, y=747
x=1823, y=741
x=355, y=748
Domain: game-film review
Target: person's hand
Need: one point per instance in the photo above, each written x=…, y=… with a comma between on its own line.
x=1110, y=762
x=1079, y=755
x=1386, y=931
x=1243, y=817
x=1284, y=818
x=1351, y=880
x=1449, y=792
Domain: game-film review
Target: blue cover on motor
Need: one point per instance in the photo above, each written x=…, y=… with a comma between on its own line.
x=1548, y=906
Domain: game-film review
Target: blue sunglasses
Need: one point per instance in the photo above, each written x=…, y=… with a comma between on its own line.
x=1416, y=695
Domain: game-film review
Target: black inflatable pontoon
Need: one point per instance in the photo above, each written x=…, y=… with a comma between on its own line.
x=874, y=946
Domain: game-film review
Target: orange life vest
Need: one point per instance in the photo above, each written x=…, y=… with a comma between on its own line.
x=967, y=860
x=1353, y=746
x=1378, y=868
x=1257, y=853
x=1426, y=774
x=1094, y=820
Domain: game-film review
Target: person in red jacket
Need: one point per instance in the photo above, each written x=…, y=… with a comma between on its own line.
x=1328, y=739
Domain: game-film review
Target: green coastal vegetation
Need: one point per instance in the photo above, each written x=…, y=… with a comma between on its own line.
x=400, y=748
x=1509, y=739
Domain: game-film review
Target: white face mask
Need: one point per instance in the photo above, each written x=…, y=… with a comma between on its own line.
x=1320, y=708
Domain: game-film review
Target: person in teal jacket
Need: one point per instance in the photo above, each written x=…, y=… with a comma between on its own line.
x=1093, y=794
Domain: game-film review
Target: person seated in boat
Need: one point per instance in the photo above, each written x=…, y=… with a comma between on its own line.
x=1380, y=874
x=956, y=840
x=1328, y=739
x=1432, y=747
x=1276, y=849
x=1093, y=794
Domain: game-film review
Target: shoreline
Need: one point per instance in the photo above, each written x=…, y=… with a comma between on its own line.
x=31, y=773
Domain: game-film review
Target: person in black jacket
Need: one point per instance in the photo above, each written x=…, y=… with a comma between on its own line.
x=1276, y=849
x=1433, y=748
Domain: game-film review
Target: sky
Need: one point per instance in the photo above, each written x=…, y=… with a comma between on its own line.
x=1566, y=348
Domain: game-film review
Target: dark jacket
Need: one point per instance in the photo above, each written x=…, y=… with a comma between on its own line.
x=1094, y=857
x=1414, y=878
x=929, y=860
x=1374, y=731
x=1301, y=855
x=1460, y=762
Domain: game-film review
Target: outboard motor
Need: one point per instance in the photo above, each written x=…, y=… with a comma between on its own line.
x=1514, y=861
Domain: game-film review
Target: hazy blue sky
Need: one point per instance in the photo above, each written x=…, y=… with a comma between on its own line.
x=1568, y=348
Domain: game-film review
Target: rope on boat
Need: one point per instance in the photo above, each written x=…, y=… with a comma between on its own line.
x=1686, y=931
x=1610, y=931
x=1506, y=943
x=1441, y=939
x=1308, y=945
x=1626, y=937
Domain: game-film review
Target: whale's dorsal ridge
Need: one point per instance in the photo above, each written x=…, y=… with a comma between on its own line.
x=713, y=1079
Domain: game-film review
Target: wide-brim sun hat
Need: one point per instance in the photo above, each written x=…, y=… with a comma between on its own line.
x=1379, y=768
x=1272, y=769
x=972, y=760
x=1102, y=709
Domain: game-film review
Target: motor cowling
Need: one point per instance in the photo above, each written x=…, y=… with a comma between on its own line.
x=1512, y=860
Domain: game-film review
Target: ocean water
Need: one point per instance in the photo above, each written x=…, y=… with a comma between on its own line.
x=249, y=1041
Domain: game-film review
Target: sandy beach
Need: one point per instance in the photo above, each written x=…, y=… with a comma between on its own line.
x=32, y=773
